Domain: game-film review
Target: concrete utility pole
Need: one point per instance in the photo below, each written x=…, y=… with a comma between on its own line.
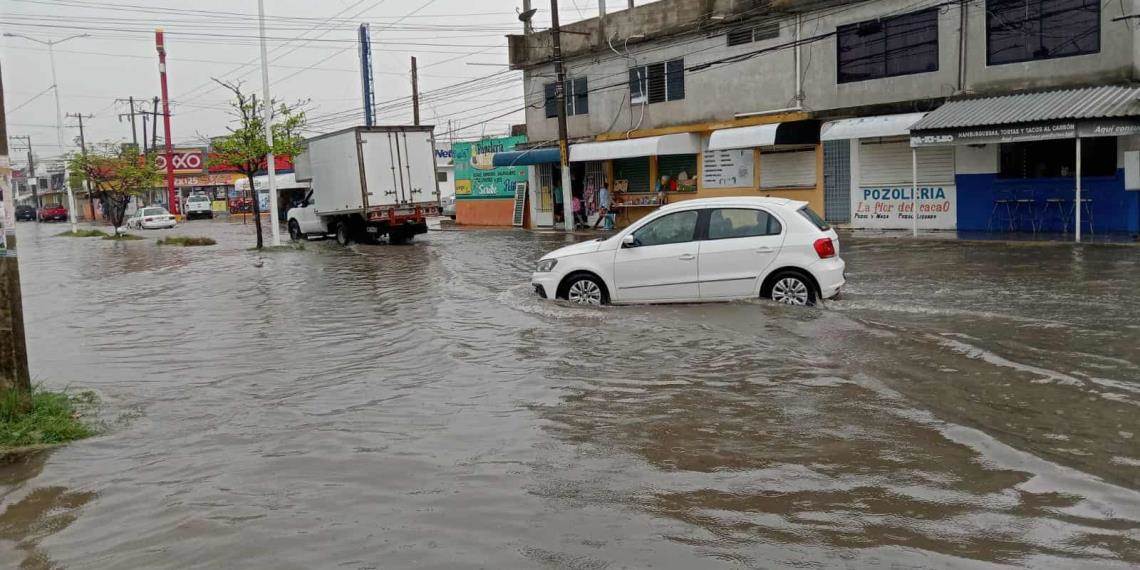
x=172, y=199
x=367, y=85
x=54, y=83
x=267, y=106
x=31, y=174
x=134, y=133
x=415, y=94
x=153, y=126
x=83, y=151
x=14, y=376
x=560, y=100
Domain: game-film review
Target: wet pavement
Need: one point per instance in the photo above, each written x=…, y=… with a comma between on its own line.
x=964, y=405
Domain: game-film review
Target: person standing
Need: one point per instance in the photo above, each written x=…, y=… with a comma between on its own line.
x=603, y=207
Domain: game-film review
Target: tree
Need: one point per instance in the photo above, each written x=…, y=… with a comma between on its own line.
x=115, y=174
x=245, y=147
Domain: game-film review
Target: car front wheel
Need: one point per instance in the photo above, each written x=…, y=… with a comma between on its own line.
x=791, y=288
x=585, y=289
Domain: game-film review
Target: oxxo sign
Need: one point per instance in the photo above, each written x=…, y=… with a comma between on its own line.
x=185, y=160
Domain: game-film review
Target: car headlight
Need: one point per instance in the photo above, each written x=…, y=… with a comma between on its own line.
x=546, y=265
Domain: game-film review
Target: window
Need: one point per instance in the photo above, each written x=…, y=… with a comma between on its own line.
x=577, y=98
x=657, y=82
x=1057, y=158
x=899, y=45
x=635, y=172
x=1025, y=30
x=441, y=176
x=681, y=170
x=737, y=223
x=679, y=227
x=765, y=31
x=814, y=218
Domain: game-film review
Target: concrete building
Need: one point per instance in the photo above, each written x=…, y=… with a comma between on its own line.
x=815, y=100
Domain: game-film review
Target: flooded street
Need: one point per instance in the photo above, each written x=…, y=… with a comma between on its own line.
x=963, y=405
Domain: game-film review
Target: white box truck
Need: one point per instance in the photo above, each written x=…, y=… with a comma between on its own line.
x=367, y=182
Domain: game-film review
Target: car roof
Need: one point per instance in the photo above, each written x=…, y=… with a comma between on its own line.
x=767, y=201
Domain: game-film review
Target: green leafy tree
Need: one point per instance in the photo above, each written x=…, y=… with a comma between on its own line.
x=115, y=173
x=245, y=147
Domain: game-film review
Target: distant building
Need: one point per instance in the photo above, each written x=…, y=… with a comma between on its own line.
x=816, y=101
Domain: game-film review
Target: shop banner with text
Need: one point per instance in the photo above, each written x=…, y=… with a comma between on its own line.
x=475, y=177
x=890, y=207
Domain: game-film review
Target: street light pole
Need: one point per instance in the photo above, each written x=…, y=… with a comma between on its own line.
x=267, y=107
x=54, y=82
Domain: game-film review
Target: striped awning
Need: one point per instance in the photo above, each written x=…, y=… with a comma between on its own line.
x=1102, y=102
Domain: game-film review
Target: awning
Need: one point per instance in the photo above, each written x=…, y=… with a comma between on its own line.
x=526, y=157
x=869, y=127
x=791, y=133
x=682, y=143
x=1107, y=110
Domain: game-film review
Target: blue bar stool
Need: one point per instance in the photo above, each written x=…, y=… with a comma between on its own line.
x=1002, y=212
x=1056, y=209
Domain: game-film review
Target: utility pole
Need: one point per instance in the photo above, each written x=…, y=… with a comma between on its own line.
x=83, y=150
x=153, y=127
x=415, y=94
x=560, y=100
x=31, y=175
x=267, y=106
x=160, y=45
x=14, y=376
x=134, y=132
x=54, y=83
x=144, y=147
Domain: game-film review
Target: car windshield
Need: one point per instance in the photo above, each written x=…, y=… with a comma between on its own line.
x=199, y=199
x=814, y=218
x=153, y=212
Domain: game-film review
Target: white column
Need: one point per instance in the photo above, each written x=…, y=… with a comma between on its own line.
x=1077, y=201
x=914, y=191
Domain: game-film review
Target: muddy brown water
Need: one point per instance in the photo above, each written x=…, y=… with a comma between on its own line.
x=965, y=405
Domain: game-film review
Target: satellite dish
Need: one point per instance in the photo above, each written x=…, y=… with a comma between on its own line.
x=526, y=16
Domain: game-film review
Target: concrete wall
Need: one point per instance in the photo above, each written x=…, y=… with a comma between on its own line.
x=766, y=82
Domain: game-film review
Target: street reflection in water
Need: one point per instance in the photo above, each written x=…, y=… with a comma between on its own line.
x=964, y=404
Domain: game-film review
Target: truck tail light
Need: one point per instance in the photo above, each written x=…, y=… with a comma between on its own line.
x=824, y=247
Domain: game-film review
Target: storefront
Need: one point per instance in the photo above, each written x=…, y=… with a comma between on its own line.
x=485, y=194
x=289, y=192
x=641, y=173
x=217, y=187
x=1051, y=161
x=881, y=174
x=786, y=161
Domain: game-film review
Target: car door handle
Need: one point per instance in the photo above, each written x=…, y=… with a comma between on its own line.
x=687, y=257
x=765, y=249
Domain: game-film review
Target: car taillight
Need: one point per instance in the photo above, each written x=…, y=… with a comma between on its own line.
x=824, y=247
x=148, y=219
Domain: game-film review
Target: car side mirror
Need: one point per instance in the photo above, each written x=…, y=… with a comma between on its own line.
x=629, y=241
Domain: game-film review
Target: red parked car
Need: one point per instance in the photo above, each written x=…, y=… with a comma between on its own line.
x=53, y=214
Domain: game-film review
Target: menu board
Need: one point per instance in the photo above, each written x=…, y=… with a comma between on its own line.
x=727, y=168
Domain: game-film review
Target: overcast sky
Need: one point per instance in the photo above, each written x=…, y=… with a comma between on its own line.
x=312, y=50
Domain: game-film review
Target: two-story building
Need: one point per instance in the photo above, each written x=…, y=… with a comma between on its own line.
x=817, y=101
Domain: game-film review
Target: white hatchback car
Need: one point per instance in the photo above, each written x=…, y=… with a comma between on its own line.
x=712, y=249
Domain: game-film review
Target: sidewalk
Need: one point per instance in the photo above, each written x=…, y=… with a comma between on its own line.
x=1007, y=237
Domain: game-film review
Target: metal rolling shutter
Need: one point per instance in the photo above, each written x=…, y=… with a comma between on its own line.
x=889, y=164
x=782, y=169
x=636, y=171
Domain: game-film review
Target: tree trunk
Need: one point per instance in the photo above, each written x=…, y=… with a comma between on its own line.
x=256, y=203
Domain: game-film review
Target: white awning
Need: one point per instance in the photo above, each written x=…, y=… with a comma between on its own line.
x=869, y=127
x=682, y=143
x=744, y=137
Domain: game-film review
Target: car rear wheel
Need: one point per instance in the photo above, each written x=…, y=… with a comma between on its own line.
x=342, y=234
x=585, y=289
x=791, y=288
x=295, y=231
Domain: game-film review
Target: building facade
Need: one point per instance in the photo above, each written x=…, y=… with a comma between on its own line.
x=816, y=100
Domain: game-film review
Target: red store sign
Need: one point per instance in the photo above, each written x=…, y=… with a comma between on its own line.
x=185, y=160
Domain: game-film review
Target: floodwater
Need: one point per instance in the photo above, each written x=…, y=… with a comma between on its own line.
x=965, y=405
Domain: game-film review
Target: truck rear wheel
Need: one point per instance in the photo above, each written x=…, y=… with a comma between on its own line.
x=343, y=235
x=295, y=231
